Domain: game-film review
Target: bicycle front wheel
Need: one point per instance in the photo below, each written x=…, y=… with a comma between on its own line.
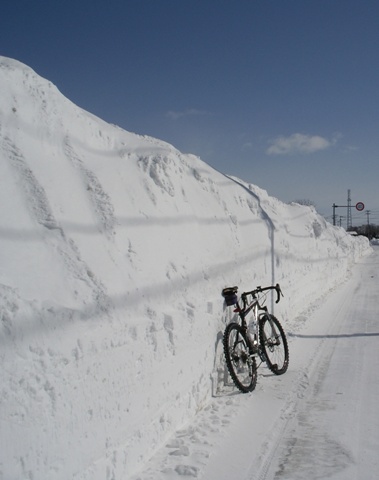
x=274, y=344
x=241, y=365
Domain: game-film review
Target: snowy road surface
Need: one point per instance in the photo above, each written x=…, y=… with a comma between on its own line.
x=320, y=420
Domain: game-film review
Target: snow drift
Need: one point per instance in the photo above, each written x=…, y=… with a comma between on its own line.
x=114, y=250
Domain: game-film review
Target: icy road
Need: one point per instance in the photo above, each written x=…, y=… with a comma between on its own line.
x=319, y=420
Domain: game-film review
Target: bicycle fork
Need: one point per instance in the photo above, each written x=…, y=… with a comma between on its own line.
x=274, y=339
x=270, y=342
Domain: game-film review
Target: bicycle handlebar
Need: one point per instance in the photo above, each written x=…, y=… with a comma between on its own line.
x=253, y=293
x=230, y=294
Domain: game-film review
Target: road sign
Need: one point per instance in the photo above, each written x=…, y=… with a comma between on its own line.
x=360, y=206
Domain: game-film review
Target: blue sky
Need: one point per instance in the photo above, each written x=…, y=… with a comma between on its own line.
x=281, y=93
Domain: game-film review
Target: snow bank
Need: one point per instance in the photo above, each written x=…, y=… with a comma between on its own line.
x=114, y=250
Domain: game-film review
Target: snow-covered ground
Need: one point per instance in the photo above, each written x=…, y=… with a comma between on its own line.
x=114, y=249
x=319, y=420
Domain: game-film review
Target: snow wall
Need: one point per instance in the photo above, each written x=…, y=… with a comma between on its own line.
x=114, y=250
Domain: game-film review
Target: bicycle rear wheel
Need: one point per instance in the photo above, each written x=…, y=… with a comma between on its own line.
x=274, y=344
x=241, y=365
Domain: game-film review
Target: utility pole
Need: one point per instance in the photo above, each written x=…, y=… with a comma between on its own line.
x=359, y=206
x=368, y=222
x=348, y=222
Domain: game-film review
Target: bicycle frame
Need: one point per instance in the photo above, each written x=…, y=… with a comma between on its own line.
x=244, y=311
x=245, y=308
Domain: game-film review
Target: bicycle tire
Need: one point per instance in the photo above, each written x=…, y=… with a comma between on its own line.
x=273, y=344
x=241, y=365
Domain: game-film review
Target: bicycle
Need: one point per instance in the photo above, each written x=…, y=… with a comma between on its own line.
x=263, y=338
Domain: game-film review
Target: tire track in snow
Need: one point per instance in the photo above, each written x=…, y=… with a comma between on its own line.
x=39, y=205
x=100, y=200
x=34, y=192
x=297, y=417
x=274, y=439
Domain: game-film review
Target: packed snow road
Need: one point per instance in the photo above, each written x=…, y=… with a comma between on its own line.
x=333, y=431
x=319, y=420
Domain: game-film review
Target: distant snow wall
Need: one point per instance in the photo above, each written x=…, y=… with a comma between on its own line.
x=114, y=251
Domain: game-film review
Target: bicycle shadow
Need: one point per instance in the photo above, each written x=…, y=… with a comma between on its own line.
x=341, y=335
x=222, y=384
x=270, y=228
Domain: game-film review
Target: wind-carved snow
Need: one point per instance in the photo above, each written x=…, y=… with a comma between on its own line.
x=114, y=248
x=156, y=167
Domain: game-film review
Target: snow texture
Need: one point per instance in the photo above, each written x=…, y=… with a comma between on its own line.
x=114, y=250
